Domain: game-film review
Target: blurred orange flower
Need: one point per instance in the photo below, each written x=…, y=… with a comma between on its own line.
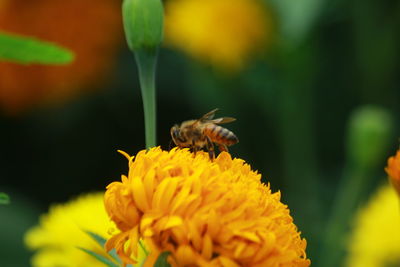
x=393, y=170
x=91, y=28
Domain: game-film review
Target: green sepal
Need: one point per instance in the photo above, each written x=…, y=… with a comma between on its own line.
x=102, y=241
x=30, y=50
x=99, y=257
x=4, y=199
x=162, y=260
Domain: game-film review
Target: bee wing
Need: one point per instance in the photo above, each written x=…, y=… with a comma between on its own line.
x=223, y=120
x=208, y=116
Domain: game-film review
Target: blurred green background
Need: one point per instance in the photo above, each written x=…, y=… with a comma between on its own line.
x=297, y=108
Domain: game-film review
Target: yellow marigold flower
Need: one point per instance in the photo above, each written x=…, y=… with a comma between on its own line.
x=375, y=241
x=393, y=170
x=90, y=28
x=61, y=231
x=206, y=213
x=224, y=33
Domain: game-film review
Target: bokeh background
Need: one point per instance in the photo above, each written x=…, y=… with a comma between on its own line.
x=316, y=96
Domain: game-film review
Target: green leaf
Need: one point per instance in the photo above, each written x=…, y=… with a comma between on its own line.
x=99, y=239
x=4, y=199
x=99, y=257
x=29, y=50
x=143, y=247
x=102, y=241
x=162, y=260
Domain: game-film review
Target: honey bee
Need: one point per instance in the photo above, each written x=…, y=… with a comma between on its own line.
x=203, y=133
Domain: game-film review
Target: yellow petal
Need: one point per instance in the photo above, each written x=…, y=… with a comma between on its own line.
x=169, y=193
x=248, y=235
x=179, y=235
x=134, y=241
x=168, y=222
x=267, y=245
x=207, y=248
x=194, y=236
x=179, y=199
x=185, y=256
x=126, y=155
x=139, y=194
x=172, y=222
x=226, y=262
x=149, y=184
x=158, y=197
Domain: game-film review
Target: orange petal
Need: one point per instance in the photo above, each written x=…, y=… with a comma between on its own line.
x=149, y=184
x=248, y=235
x=226, y=262
x=161, y=196
x=166, y=223
x=139, y=194
x=134, y=241
x=194, y=236
x=185, y=256
x=207, y=248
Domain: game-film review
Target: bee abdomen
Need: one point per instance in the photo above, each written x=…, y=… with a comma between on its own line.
x=220, y=135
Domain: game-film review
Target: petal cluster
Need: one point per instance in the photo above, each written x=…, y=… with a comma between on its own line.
x=206, y=213
x=224, y=33
x=61, y=231
x=393, y=170
x=375, y=241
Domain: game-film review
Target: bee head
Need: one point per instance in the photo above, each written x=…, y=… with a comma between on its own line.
x=175, y=134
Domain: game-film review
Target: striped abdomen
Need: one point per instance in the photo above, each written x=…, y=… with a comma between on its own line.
x=220, y=135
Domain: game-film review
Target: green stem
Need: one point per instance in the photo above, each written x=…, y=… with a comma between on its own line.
x=146, y=61
x=297, y=130
x=348, y=197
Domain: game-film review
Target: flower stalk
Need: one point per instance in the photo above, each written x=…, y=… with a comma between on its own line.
x=369, y=129
x=146, y=61
x=143, y=25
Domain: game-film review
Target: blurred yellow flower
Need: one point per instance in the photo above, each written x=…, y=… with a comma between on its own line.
x=224, y=33
x=206, y=213
x=61, y=231
x=375, y=241
x=90, y=28
x=393, y=170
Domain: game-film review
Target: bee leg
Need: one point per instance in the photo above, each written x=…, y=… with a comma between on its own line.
x=194, y=147
x=223, y=148
x=171, y=144
x=210, y=148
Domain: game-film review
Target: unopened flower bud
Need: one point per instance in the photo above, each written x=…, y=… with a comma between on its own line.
x=143, y=23
x=369, y=132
